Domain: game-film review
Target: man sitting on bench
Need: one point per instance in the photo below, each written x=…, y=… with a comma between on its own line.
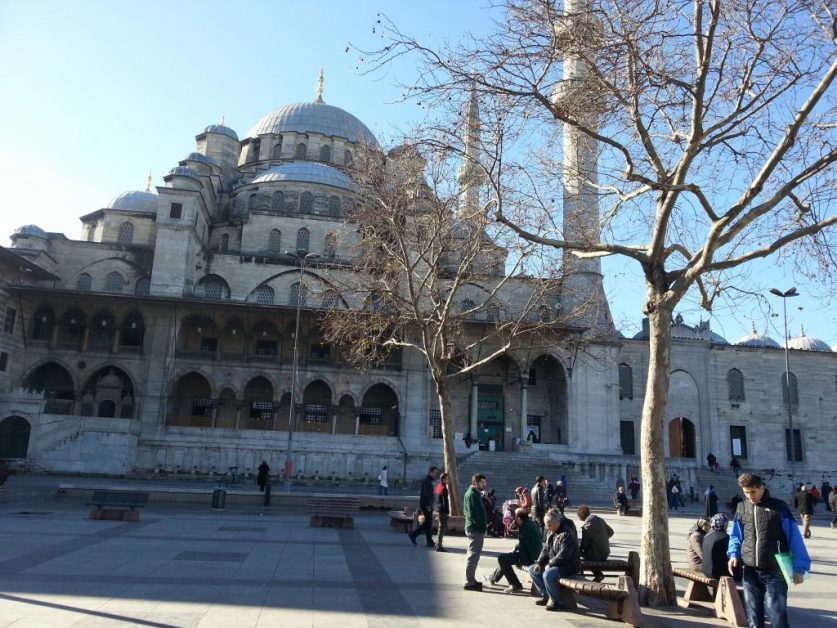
x=560, y=558
x=595, y=539
x=525, y=553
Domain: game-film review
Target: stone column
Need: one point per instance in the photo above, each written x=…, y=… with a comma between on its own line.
x=117, y=338
x=474, y=407
x=524, y=408
x=238, y=406
x=357, y=423
x=85, y=339
x=334, y=422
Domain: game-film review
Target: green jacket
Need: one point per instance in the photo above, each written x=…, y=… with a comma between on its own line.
x=594, y=538
x=529, y=542
x=476, y=521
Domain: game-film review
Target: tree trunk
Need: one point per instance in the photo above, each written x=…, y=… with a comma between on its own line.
x=656, y=583
x=448, y=443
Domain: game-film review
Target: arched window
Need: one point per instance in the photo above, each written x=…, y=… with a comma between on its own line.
x=301, y=151
x=277, y=148
x=84, y=282
x=325, y=153
x=251, y=201
x=225, y=242
x=212, y=289
x=126, y=233
x=306, y=202
x=278, y=202
x=143, y=286
x=626, y=382
x=466, y=306
x=794, y=391
x=330, y=248
x=347, y=158
x=114, y=282
x=297, y=296
x=274, y=241
x=329, y=300
x=302, y=239
x=334, y=205
x=735, y=385
x=492, y=312
x=264, y=295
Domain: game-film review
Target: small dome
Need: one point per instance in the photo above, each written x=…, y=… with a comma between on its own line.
x=183, y=171
x=307, y=172
x=201, y=159
x=220, y=129
x=30, y=230
x=314, y=117
x=135, y=201
x=758, y=341
x=807, y=343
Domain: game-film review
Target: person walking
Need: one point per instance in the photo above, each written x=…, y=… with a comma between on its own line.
x=711, y=461
x=442, y=510
x=736, y=466
x=633, y=487
x=804, y=504
x=595, y=539
x=825, y=494
x=475, y=527
x=383, y=485
x=559, y=558
x=762, y=527
x=620, y=501
x=526, y=552
x=261, y=475
x=561, y=498
x=426, y=498
x=710, y=500
x=832, y=501
x=539, y=501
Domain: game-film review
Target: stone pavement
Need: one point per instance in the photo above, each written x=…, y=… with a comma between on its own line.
x=247, y=566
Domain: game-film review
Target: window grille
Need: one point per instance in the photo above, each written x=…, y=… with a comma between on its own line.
x=114, y=282
x=212, y=289
x=202, y=406
x=329, y=300
x=274, y=241
x=330, y=248
x=435, y=424
x=261, y=410
x=626, y=382
x=735, y=385
x=126, y=233
x=278, y=202
x=325, y=153
x=306, y=202
x=371, y=416
x=208, y=345
x=266, y=348
x=225, y=242
x=320, y=352
x=295, y=296
x=316, y=413
x=277, y=148
x=303, y=238
x=143, y=286
x=301, y=151
x=334, y=205
x=84, y=282
x=264, y=295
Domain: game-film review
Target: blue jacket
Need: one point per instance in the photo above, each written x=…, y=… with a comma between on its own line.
x=761, y=530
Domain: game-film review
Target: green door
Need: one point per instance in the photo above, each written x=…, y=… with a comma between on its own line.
x=490, y=417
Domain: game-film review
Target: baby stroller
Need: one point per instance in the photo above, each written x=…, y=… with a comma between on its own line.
x=510, y=529
x=493, y=517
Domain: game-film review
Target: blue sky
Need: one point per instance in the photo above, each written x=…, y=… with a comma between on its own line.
x=95, y=94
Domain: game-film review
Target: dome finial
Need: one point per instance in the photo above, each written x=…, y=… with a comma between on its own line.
x=148, y=182
x=801, y=329
x=320, y=88
x=222, y=119
x=753, y=323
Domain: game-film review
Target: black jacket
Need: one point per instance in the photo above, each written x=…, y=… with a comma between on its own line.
x=804, y=503
x=539, y=500
x=426, y=495
x=763, y=535
x=561, y=550
x=715, y=560
x=443, y=503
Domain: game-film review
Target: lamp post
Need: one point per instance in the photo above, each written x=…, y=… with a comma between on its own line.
x=303, y=256
x=791, y=292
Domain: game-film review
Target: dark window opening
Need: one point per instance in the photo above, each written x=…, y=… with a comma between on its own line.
x=4, y=361
x=316, y=413
x=797, y=445
x=208, y=345
x=435, y=424
x=176, y=210
x=738, y=441
x=9, y=321
x=266, y=348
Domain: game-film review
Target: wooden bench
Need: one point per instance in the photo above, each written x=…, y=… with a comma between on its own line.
x=330, y=512
x=402, y=519
x=727, y=600
x=628, y=567
x=117, y=505
x=622, y=600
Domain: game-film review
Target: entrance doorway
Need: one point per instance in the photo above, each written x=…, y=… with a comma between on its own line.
x=14, y=437
x=681, y=438
x=490, y=418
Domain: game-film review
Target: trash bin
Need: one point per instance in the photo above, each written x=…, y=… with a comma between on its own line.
x=219, y=498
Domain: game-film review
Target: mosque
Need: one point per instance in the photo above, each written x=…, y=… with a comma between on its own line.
x=162, y=340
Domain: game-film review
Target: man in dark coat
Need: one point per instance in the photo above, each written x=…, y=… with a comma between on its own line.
x=526, y=552
x=560, y=557
x=540, y=501
x=595, y=539
x=710, y=499
x=426, y=499
x=804, y=504
x=261, y=476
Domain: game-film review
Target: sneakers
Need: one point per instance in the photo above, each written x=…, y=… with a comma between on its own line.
x=439, y=548
x=513, y=589
x=551, y=606
x=542, y=601
x=473, y=586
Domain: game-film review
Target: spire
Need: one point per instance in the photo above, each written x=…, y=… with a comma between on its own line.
x=320, y=88
x=470, y=176
x=148, y=182
x=222, y=119
x=801, y=330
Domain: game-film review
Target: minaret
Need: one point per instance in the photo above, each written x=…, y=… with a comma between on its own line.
x=470, y=177
x=148, y=182
x=583, y=290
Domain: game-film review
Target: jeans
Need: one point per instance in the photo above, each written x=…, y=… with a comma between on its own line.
x=442, y=529
x=383, y=490
x=472, y=558
x=765, y=592
x=506, y=564
x=547, y=583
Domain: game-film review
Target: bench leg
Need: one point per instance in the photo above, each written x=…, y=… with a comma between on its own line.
x=633, y=561
x=627, y=609
x=697, y=592
x=728, y=603
x=568, y=598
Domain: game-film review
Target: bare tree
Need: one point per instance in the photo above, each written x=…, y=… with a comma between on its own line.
x=697, y=135
x=431, y=273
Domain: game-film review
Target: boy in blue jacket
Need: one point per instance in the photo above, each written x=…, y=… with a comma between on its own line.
x=764, y=526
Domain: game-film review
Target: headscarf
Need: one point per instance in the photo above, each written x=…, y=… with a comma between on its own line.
x=719, y=521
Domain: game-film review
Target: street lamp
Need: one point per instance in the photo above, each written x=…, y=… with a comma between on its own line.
x=302, y=256
x=791, y=440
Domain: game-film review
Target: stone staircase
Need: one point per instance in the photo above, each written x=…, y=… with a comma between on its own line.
x=725, y=483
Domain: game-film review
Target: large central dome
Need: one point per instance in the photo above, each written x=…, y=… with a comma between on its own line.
x=314, y=117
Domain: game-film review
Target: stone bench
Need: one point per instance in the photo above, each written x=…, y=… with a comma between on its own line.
x=117, y=505
x=726, y=598
x=402, y=519
x=628, y=567
x=622, y=600
x=332, y=512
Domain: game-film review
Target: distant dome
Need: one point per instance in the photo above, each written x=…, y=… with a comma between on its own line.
x=30, y=230
x=757, y=340
x=221, y=130
x=134, y=202
x=183, y=171
x=807, y=343
x=307, y=172
x=314, y=117
x=201, y=159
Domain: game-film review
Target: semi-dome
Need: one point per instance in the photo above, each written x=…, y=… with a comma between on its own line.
x=314, y=117
x=135, y=201
x=807, y=343
x=30, y=230
x=221, y=130
x=183, y=171
x=307, y=172
x=757, y=340
x=201, y=159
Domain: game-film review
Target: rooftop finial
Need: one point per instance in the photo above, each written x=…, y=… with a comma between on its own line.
x=801, y=330
x=148, y=182
x=320, y=88
x=753, y=323
x=222, y=119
